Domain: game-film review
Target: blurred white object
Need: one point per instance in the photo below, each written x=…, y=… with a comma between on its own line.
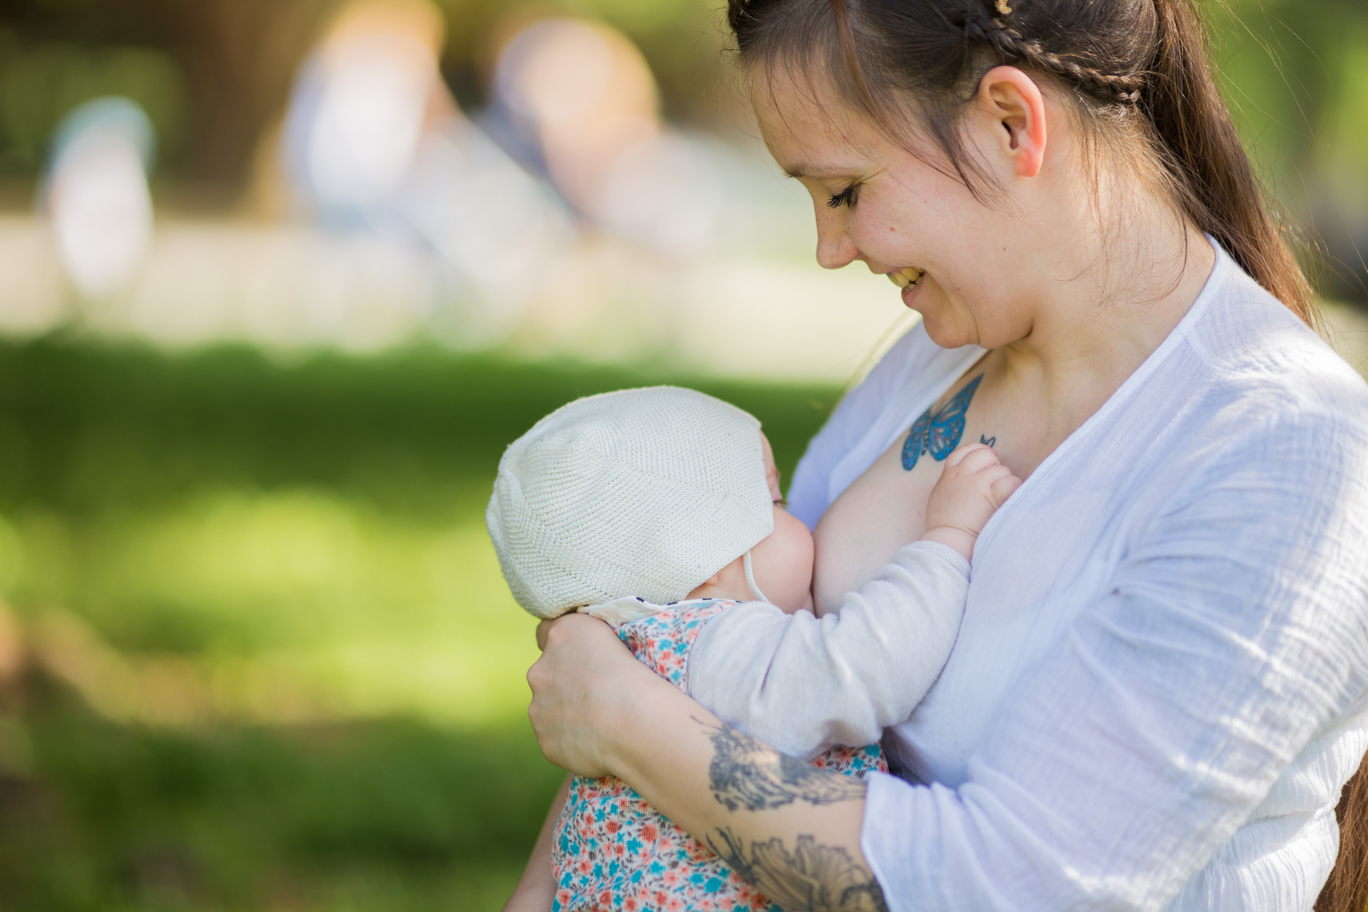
x=360, y=105
x=583, y=94
x=501, y=230
x=96, y=195
x=375, y=145
x=369, y=120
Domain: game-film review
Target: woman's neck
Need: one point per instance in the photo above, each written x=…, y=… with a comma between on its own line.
x=1129, y=289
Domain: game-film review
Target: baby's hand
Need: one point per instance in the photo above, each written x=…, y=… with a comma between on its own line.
x=973, y=484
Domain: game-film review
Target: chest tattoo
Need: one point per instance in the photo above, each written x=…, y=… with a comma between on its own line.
x=940, y=432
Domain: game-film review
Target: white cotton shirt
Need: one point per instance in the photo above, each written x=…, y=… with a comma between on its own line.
x=1158, y=688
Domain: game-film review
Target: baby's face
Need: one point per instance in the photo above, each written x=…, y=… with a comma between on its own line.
x=782, y=562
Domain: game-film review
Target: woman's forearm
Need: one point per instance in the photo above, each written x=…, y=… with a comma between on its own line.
x=791, y=829
x=787, y=827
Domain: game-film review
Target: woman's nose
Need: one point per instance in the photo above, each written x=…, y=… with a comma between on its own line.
x=835, y=248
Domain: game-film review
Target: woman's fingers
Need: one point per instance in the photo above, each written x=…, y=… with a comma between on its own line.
x=542, y=630
x=578, y=687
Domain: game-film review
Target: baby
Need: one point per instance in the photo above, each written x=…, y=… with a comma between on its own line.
x=658, y=510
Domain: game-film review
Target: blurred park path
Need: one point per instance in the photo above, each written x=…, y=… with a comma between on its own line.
x=296, y=288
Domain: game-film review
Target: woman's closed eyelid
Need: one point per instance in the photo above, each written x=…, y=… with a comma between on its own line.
x=845, y=198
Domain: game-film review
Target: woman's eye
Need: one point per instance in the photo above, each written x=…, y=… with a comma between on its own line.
x=845, y=198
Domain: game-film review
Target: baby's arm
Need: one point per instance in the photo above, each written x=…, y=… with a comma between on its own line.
x=802, y=683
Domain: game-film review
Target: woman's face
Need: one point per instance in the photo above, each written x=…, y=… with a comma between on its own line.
x=878, y=203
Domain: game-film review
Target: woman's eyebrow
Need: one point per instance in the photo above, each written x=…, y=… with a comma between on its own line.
x=803, y=169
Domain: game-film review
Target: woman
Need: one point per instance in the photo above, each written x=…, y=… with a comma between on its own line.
x=1158, y=689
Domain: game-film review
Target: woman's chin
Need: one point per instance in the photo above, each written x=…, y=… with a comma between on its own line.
x=945, y=333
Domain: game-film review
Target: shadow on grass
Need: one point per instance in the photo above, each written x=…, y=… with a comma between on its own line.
x=384, y=814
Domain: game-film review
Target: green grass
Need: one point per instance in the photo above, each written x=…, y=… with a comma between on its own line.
x=270, y=659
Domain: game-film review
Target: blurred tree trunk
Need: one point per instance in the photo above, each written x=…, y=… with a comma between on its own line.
x=239, y=57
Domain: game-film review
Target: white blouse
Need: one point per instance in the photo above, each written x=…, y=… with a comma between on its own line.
x=1158, y=688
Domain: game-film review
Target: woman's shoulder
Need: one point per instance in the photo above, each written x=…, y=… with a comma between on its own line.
x=1251, y=351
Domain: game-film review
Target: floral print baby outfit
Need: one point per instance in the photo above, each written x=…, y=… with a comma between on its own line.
x=613, y=853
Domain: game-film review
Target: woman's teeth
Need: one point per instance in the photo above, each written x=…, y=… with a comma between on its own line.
x=908, y=275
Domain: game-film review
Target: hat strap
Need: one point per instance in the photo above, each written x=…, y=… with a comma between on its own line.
x=750, y=579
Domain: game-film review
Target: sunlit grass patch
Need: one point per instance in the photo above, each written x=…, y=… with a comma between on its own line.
x=285, y=605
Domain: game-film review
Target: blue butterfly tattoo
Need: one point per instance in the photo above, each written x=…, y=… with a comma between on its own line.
x=940, y=433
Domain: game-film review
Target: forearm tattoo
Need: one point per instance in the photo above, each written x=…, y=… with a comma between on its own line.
x=747, y=774
x=812, y=878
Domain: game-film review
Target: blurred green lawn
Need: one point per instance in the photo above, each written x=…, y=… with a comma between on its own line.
x=265, y=659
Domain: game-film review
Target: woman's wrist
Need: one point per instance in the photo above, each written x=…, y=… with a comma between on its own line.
x=627, y=747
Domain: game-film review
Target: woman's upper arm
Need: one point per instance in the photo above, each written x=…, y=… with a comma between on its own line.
x=1235, y=629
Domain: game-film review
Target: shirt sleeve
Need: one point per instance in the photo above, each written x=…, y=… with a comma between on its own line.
x=1236, y=627
x=803, y=684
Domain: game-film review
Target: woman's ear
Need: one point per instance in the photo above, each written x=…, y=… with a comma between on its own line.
x=1013, y=104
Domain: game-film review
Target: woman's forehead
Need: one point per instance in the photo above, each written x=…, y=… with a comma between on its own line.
x=806, y=126
x=812, y=131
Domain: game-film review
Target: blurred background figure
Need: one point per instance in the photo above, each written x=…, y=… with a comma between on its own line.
x=360, y=105
x=96, y=196
x=375, y=143
x=577, y=100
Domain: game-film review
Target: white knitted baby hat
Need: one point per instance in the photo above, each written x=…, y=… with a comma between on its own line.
x=642, y=492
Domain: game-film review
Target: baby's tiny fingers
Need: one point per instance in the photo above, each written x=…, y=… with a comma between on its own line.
x=990, y=474
x=1003, y=488
x=957, y=455
x=977, y=458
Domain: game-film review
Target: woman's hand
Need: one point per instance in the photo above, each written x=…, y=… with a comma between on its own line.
x=584, y=688
x=598, y=711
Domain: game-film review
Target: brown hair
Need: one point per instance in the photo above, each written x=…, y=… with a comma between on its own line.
x=1136, y=67
x=1347, y=888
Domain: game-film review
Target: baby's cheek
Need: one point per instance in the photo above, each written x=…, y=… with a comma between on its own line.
x=789, y=550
